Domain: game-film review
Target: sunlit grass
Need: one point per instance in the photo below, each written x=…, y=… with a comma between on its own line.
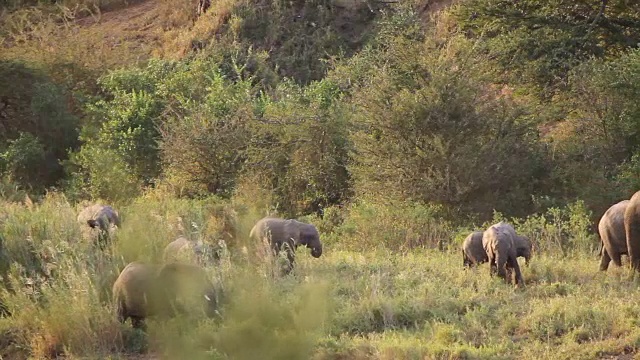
x=369, y=304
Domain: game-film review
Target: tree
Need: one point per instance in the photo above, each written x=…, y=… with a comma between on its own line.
x=538, y=42
x=430, y=129
x=301, y=146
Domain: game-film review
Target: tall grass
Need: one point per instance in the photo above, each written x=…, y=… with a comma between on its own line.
x=362, y=299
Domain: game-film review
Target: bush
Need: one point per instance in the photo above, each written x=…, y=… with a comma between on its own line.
x=205, y=148
x=396, y=226
x=537, y=43
x=301, y=147
x=430, y=128
x=595, y=146
x=563, y=231
x=37, y=127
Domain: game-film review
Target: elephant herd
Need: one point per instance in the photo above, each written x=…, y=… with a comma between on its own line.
x=619, y=230
x=142, y=290
x=500, y=246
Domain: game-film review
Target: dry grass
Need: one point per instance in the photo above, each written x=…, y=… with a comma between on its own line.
x=365, y=304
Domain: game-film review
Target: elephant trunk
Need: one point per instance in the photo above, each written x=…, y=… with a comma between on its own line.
x=316, y=252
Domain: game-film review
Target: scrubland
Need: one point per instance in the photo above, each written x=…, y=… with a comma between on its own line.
x=360, y=300
x=395, y=127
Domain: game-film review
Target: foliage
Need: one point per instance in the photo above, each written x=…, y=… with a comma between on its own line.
x=393, y=225
x=203, y=144
x=137, y=104
x=300, y=36
x=565, y=230
x=301, y=145
x=430, y=129
x=537, y=43
x=598, y=138
x=24, y=159
x=36, y=126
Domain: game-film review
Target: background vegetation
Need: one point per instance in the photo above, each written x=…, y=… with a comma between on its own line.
x=395, y=127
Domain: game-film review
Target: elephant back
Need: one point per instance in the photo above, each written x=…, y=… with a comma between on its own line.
x=275, y=230
x=499, y=237
x=134, y=290
x=611, y=226
x=176, y=249
x=472, y=247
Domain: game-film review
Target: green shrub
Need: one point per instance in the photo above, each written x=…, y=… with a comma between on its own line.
x=537, y=43
x=429, y=127
x=558, y=230
x=38, y=127
x=395, y=226
x=301, y=147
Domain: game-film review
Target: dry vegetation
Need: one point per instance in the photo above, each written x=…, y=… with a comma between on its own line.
x=395, y=127
x=371, y=304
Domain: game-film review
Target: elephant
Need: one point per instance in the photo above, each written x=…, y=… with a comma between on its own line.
x=498, y=242
x=203, y=6
x=102, y=217
x=473, y=252
x=143, y=290
x=632, y=230
x=184, y=249
x=287, y=234
x=523, y=248
x=612, y=235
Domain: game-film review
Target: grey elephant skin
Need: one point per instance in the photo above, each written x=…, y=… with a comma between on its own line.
x=183, y=249
x=286, y=235
x=143, y=290
x=613, y=238
x=632, y=230
x=498, y=242
x=523, y=248
x=103, y=216
x=473, y=252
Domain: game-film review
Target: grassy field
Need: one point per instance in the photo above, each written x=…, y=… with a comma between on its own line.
x=348, y=304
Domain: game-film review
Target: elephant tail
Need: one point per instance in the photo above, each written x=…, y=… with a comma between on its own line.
x=600, y=248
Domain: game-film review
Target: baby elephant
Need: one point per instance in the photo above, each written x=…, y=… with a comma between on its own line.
x=287, y=235
x=473, y=252
x=523, y=248
x=499, y=244
x=182, y=249
x=101, y=217
x=144, y=290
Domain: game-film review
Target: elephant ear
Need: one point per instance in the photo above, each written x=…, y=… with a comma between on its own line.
x=308, y=233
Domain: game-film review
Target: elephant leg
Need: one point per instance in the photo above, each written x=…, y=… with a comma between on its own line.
x=605, y=260
x=492, y=265
x=291, y=258
x=494, y=268
x=138, y=323
x=513, y=265
x=501, y=263
x=509, y=271
x=121, y=312
x=616, y=257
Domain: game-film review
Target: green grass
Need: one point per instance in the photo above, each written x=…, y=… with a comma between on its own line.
x=368, y=304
